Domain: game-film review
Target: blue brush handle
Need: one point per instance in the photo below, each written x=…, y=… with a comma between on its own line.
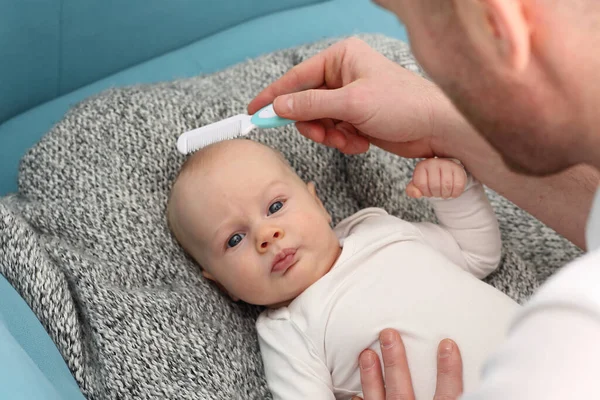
x=266, y=118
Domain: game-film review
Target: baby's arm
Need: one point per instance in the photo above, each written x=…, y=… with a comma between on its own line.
x=468, y=232
x=292, y=369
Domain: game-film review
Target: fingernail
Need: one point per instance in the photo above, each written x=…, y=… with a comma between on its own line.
x=445, y=348
x=387, y=339
x=367, y=360
x=285, y=104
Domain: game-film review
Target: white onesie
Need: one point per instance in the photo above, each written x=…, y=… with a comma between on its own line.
x=419, y=278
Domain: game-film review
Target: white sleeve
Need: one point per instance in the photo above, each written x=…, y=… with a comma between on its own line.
x=553, y=347
x=292, y=369
x=468, y=231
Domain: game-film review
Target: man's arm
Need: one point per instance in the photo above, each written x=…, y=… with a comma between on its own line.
x=553, y=347
x=561, y=201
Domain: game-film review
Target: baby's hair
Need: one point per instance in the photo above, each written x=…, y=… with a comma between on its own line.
x=193, y=163
x=205, y=155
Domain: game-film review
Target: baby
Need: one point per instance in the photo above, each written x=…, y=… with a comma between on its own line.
x=263, y=236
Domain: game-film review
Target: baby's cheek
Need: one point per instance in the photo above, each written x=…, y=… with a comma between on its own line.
x=316, y=229
x=251, y=291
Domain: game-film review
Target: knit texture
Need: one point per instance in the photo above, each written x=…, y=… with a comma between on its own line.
x=86, y=244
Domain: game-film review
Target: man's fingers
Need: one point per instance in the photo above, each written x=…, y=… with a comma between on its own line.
x=313, y=130
x=371, y=377
x=355, y=142
x=335, y=139
x=324, y=69
x=449, y=377
x=308, y=74
x=397, y=375
x=338, y=136
x=318, y=104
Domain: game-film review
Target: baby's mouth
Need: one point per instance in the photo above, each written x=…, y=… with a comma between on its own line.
x=283, y=260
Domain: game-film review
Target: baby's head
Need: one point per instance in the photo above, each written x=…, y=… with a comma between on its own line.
x=252, y=224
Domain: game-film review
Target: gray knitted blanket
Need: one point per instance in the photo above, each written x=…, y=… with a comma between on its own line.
x=86, y=244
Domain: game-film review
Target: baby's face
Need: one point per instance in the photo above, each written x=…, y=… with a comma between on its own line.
x=254, y=226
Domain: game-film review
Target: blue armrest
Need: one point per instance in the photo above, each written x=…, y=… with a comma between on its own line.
x=30, y=365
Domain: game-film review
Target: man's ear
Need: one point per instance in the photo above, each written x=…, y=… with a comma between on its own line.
x=313, y=191
x=210, y=277
x=499, y=29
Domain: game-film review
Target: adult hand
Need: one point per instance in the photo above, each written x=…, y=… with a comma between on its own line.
x=398, y=384
x=349, y=95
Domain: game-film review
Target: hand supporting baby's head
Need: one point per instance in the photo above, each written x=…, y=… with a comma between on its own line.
x=256, y=229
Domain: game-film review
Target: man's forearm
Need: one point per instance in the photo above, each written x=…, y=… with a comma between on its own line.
x=561, y=201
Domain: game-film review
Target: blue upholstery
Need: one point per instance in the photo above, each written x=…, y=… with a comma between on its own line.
x=58, y=52
x=30, y=365
x=29, y=34
x=56, y=46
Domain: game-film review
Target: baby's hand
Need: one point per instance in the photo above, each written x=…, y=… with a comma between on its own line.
x=437, y=177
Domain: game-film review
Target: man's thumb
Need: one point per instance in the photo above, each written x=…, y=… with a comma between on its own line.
x=312, y=104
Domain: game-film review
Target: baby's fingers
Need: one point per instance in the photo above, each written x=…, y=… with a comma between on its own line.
x=439, y=177
x=413, y=191
x=421, y=180
x=447, y=182
x=460, y=182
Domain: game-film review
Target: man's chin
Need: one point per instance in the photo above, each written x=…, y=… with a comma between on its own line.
x=531, y=168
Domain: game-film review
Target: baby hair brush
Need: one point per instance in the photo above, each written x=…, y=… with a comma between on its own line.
x=230, y=128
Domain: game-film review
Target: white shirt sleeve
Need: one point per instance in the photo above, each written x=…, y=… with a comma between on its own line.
x=553, y=347
x=292, y=369
x=468, y=231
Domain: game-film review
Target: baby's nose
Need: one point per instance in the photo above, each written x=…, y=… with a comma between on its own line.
x=268, y=236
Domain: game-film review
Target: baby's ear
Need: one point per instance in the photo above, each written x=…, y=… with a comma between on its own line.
x=312, y=189
x=210, y=277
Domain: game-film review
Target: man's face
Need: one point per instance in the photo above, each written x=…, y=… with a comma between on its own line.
x=258, y=230
x=522, y=119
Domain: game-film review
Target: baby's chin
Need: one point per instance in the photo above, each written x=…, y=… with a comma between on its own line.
x=286, y=300
x=281, y=300
x=280, y=304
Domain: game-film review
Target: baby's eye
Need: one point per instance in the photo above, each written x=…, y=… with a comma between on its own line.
x=275, y=207
x=235, y=239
